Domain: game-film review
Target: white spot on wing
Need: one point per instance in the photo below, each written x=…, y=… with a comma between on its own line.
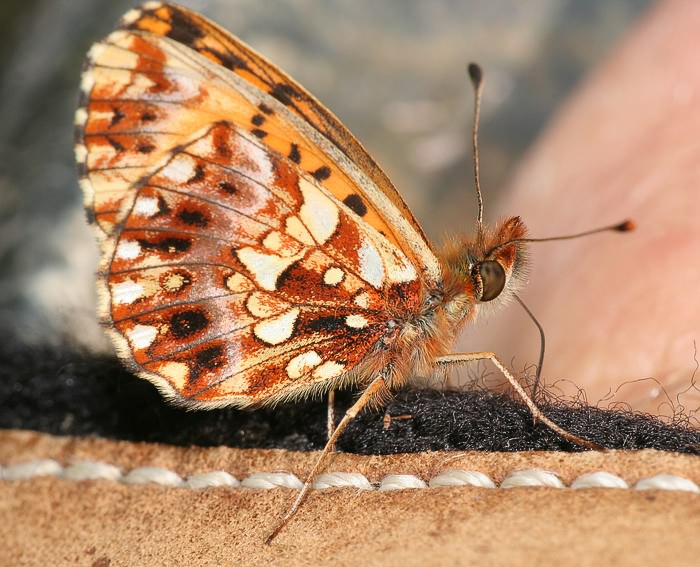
x=238, y=283
x=131, y=16
x=126, y=292
x=128, y=250
x=88, y=191
x=298, y=231
x=146, y=206
x=329, y=370
x=203, y=147
x=303, y=363
x=177, y=373
x=371, y=265
x=362, y=300
x=265, y=268
x=80, y=153
x=80, y=117
x=399, y=268
x=117, y=37
x=273, y=241
x=277, y=330
x=141, y=336
x=356, y=321
x=318, y=213
x=173, y=283
x=95, y=52
x=265, y=305
x=179, y=169
x=333, y=276
x=87, y=81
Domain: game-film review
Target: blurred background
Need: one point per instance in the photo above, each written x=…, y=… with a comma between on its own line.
x=393, y=71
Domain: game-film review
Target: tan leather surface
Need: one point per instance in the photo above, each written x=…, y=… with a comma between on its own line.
x=50, y=521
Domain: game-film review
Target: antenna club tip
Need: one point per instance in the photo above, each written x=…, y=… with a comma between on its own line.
x=475, y=73
x=626, y=226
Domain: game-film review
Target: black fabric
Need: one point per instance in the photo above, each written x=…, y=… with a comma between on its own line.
x=65, y=392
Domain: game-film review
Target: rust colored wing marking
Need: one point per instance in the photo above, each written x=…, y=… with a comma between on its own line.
x=222, y=293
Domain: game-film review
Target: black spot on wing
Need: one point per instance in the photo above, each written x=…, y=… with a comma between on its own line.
x=294, y=154
x=193, y=218
x=258, y=120
x=356, y=204
x=210, y=358
x=82, y=168
x=182, y=29
x=115, y=144
x=284, y=92
x=329, y=324
x=227, y=187
x=258, y=133
x=226, y=58
x=184, y=324
x=163, y=208
x=198, y=174
x=171, y=244
x=145, y=147
x=322, y=173
x=117, y=116
x=90, y=215
x=206, y=359
x=265, y=109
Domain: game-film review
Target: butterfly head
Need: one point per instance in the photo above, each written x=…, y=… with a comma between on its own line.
x=490, y=265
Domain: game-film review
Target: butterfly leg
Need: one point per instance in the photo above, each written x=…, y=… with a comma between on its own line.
x=330, y=423
x=375, y=388
x=464, y=358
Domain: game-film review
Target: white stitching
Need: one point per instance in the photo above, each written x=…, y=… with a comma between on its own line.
x=152, y=475
x=599, y=479
x=272, y=480
x=91, y=470
x=667, y=482
x=341, y=479
x=532, y=477
x=95, y=470
x=400, y=482
x=213, y=478
x=31, y=469
x=461, y=478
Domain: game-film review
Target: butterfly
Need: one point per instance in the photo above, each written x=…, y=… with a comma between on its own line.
x=252, y=251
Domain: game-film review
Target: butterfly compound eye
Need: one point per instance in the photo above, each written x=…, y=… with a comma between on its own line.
x=493, y=279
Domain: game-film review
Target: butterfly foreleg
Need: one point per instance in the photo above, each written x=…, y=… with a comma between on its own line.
x=464, y=358
x=373, y=392
x=330, y=420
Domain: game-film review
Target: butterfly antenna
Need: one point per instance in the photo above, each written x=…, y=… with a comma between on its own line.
x=625, y=226
x=477, y=77
x=540, y=362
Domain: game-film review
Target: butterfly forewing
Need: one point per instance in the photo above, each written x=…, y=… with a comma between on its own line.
x=242, y=262
x=217, y=45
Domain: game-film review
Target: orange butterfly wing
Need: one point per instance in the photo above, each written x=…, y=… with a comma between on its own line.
x=245, y=258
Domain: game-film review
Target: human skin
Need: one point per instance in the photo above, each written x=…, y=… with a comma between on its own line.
x=620, y=311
